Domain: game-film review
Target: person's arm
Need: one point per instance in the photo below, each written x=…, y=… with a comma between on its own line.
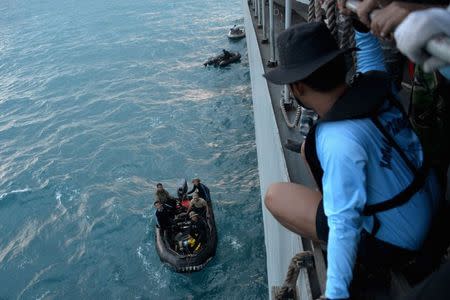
x=191, y=191
x=366, y=7
x=370, y=57
x=344, y=196
x=385, y=20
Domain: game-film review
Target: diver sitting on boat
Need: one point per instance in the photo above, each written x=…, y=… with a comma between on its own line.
x=236, y=33
x=202, y=190
x=198, y=230
x=198, y=205
x=236, y=30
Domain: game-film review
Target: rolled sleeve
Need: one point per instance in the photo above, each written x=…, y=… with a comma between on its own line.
x=370, y=57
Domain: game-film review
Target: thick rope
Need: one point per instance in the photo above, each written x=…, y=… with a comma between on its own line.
x=303, y=259
x=346, y=33
x=318, y=10
x=311, y=11
x=331, y=20
x=347, y=40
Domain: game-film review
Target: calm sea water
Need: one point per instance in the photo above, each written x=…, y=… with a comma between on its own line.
x=99, y=101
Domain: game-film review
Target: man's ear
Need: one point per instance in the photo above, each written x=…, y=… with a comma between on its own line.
x=298, y=88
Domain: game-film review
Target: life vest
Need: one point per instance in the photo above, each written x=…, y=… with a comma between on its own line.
x=364, y=99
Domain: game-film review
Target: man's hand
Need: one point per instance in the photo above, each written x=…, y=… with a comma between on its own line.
x=342, y=8
x=385, y=20
x=364, y=10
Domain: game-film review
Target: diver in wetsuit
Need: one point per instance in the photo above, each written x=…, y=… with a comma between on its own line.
x=203, y=190
x=164, y=215
x=236, y=30
x=198, y=229
x=226, y=54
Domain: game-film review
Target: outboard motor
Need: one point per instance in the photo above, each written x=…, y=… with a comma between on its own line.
x=182, y=189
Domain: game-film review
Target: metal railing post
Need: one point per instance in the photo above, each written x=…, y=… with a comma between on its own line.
x=260, y=2
x=255, y=14
x=287, y=14
x=272, y=61
x=287, y=24
x=263, y=17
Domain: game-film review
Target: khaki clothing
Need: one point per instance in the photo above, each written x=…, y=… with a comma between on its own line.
x=162, y=196
x=198, y=203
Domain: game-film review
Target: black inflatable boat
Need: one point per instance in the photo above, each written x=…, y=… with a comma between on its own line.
x=173, y=244
x=223, y=59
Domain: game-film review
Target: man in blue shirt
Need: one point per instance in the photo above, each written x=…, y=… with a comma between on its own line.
x=378, y=195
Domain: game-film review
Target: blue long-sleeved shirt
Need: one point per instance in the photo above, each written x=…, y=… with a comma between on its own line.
x=361, y=168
